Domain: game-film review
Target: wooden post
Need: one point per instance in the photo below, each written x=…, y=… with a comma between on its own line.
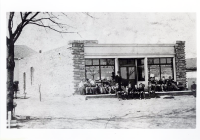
x=9, y=118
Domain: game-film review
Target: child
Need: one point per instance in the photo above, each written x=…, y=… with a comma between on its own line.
x=141, y=91
x=119, y=91
x=151, y=89
x=130, y=90
x=136, y=92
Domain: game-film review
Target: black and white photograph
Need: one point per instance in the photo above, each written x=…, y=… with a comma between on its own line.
x=100, y=70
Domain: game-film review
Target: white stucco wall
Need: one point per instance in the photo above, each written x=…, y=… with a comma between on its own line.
x=16, y=71
x=116, y=50
x=191, y=74
x=52, y=69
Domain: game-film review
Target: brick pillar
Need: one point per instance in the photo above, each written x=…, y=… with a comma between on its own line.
x=180, y=62
x=78, y=64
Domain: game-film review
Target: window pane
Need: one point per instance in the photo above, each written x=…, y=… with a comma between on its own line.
x=122, y=62
x=155, y=70
x=123, y=72
x=131, y=61
x=141, y=74
x=127, y=62
x=166, y=70
x=140, y=62
x=95, y=61
x=111, y=61
x=150, y=61
x=163, y=60
x=88, y=61
x=92, y=72
x=156, y=61
x=103, y=62
x=106, y=72
x=169, y=60
x=131, y=72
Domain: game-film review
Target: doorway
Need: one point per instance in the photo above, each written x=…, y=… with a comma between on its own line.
x=128, y=74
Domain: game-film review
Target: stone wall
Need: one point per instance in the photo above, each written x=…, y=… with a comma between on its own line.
x=180, y=62
x=79, y=64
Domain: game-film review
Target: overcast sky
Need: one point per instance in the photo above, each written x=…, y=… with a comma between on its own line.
x=124, y=28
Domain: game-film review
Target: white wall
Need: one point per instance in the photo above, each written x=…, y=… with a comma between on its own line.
x=52, y=69
x=16, y=70
x=126, y=50
x=191, y=76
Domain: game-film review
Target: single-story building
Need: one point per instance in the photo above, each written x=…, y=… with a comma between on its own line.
x=135, y=62
x=60, y=71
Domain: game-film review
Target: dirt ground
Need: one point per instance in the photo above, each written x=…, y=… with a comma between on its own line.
x=106, y=113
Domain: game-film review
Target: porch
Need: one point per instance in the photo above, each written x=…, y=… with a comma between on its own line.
x=169, y=93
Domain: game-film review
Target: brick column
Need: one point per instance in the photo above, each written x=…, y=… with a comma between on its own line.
x=180, y=62
x=78, y=64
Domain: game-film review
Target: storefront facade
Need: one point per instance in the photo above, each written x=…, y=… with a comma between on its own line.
x=135, y=62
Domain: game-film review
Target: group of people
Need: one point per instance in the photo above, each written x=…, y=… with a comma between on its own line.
x=115, y=86
x=91, y=87
x=162, y=84
x=130, y=92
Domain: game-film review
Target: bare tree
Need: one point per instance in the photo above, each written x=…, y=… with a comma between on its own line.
x=27, y=18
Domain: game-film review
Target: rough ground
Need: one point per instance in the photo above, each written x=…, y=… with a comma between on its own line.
x=77, y=113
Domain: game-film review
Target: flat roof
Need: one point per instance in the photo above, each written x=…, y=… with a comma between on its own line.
x=129, y=45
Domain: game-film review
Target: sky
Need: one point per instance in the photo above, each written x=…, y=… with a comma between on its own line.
x=116, y=28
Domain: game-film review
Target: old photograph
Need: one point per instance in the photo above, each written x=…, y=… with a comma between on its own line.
x=87, y=70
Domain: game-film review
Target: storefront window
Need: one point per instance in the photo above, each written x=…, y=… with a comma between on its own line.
x=92, y=72
x=106, y=72
x=166, y=71
x=99, y=69
x=160, y=67
x=155, y=70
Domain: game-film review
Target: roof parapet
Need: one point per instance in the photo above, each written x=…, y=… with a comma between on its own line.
x=83, y=41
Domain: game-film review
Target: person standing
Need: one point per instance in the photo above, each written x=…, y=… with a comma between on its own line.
x=118, y=79
x=193, y=88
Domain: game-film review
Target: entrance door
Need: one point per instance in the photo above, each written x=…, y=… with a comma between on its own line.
x=128, y=75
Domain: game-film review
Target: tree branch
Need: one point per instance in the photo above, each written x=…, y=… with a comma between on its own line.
x=86, y=13
x=10, y=23
x=23, y=24
x=50, y=28
x=21, y=16
x=27, y=21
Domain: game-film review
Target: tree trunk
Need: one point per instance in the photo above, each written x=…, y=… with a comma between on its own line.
x=10, y=73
